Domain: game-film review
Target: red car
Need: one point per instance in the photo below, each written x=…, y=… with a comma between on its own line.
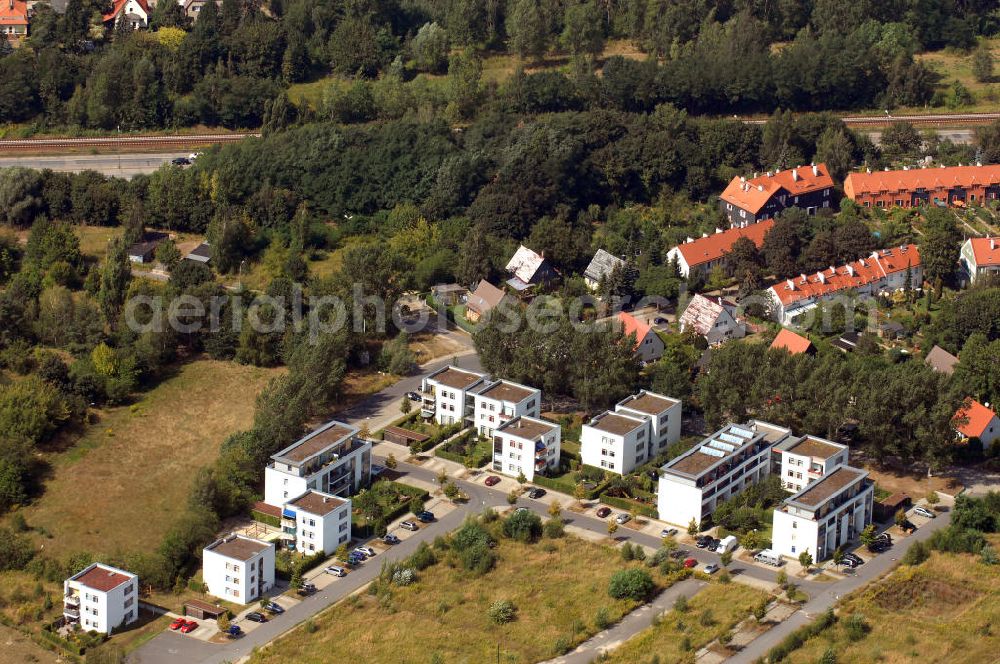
x=690, y=562
x=189, y=627
x=492, y=480
x=178, y=623
x=604, y=512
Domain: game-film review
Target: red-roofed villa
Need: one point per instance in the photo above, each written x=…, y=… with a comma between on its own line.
x=762, y=197
x=14, y=20
x=793, y=343
x=134, y=12
x=980, y=256
x=974, y=420
x=648, y=344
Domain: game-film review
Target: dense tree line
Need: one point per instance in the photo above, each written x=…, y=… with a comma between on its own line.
x=231, y=65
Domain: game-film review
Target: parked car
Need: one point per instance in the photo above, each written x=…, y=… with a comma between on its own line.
x=702, y=541
x=879, y=545
x=850, y=564
x=390, y=539
x=677, y=554
x=178, y=623
x=306, y=589
x=426, y=516
x=855, y=558
x=623, y=518
x=711, y=568
x=413, y=396
x=234, y=631
x=257, y=617
x=603, y=512
x=377, y=470
x=365, y=550
x=884, y=536
x=690, y=562
x=274, y=607
x=659, y=321
x=668, y=532
x=180, y=161
x=336, y=571
x=409, y=525
x=354, y=558
x=189, y=627
x=924, y=512
x=535, y=493
x=520, y=509
x=768, y=557
x=492, y=480
x=714, y=544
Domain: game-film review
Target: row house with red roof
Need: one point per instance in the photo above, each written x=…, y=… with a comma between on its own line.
x=980, y=256
x=748, y=201
x=883, y=271
x=947, y=185
x=14, y=20
x=700, y=256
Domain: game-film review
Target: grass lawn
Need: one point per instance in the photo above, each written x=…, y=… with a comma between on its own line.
x=728, y=603
x=142, y=458
x=557, y=585
x=956, y=65
x=945, y=610
x=19, y=648
x=94, y=239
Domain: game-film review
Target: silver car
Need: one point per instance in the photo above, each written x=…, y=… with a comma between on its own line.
x=924, y=512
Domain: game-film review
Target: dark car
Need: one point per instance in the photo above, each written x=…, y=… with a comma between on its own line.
x=180, y=161
x=677, y=554
x=306, y=589
x=659, y=321
x=425, y=516
x=492, y=480
x=535, y=493
x=274, y=607
x=390, y=539
x=257, y=617
x=355, y=558
x=702, y=541
x=854, y=558
x=234, y=631
x=878, y=546
x=604, y=512
x=713, y=545
x=413, y=396
x=884, y=536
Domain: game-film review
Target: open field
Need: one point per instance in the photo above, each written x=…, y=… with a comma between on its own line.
x=142, y=459
x=957, y=66
x=946, y=610
x=557, y=585
x=19, y=648
x=727, y=605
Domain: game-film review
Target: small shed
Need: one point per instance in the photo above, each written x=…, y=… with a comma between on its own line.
x=203, y=610
x=201, y=254
x=402, y=436
x=885, y=509
x=449, y=294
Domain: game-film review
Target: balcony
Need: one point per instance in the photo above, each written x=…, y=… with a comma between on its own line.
x=73, y=614
x=72, y=600
x=540, y=464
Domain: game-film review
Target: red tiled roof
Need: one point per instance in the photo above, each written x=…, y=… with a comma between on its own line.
x=264, y=508
x=15, y=13
x=101, y=579
x=713, y=247
x=978, y=416
x=860, y=184
x=119, y=4
x=853, y=275
x=793, y=343
x=751, y=195
x=632, y=324
x=986, y=250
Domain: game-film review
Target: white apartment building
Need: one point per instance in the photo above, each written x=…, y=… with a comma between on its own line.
x=526, y=445
x=499, y=401
x=615, y=442
x=316, y=522
x=806, y=459
x=447, y=394
x=101, y=598
x=721, y=466
x=640, y=427
x=825, y=515
x=238, y=569
x=331, y=459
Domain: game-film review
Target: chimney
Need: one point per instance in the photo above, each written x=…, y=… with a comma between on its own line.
x=795, y=175
x=993, y=244
x=790, y=284
x=804, y=280
x=821, y=277
x=760, y=187
x=718, y=230
x=326, y=499
x=869, y=171
x=742, y=178
x=755, y=174
x=815, y=169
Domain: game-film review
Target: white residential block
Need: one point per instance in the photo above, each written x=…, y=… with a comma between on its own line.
x=526, y=445
x=640, y=427
x=499, y=401
x=316, y=522
x=447, y=394
x=101, y=598
x=807, y=459
x=238, y=569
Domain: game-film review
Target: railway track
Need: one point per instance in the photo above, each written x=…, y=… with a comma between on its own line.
x=936, y=120
x=120, y=142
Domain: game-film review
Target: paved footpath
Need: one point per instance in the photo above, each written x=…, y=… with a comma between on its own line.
x=630, y=625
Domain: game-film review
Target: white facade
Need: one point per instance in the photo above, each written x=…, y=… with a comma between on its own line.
x=713, y=318
x=720, y=467
x=526, y=445
x=499, y=401
x=980, y=257
x=238, y=569
x=447, y=394
x=101, y=598
x=639, y=428
x=615, y=442
x=826, y=515
x=807, y=459
x=316, y=522
x=331, y=459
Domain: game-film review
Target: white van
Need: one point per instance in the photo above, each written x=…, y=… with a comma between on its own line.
x=727, y=544
x=769, y=557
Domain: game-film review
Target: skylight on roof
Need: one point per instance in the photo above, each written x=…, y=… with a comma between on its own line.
x=719, y=445
x=740, y=431
x=705, y=449
x=730, y=438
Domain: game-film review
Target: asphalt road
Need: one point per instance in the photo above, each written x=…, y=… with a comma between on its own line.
x=121, y=165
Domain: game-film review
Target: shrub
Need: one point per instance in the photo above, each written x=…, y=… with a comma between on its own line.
x=635, y=584
x=561, y=646
x=916, y=554
x=706, y=619
x=422, y=558
x=988, y=555
x=829, y=657
x=856, y=627
x=627, y=553
x=469, y=535
x=554, y=528
x=602, y=619
x=681, y=604
x=404, y=577
x=523, y=526
x=309, y=627
x=479, y=558
x=503, y=611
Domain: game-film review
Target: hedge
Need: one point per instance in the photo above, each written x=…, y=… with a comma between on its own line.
x=629, y=505
x=797, y=639
x=566, y=486
x=269, y=519
x=401, y=422
x=367, y=530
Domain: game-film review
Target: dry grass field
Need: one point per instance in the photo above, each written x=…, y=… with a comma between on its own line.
x=557, y=585
x=119, y=487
